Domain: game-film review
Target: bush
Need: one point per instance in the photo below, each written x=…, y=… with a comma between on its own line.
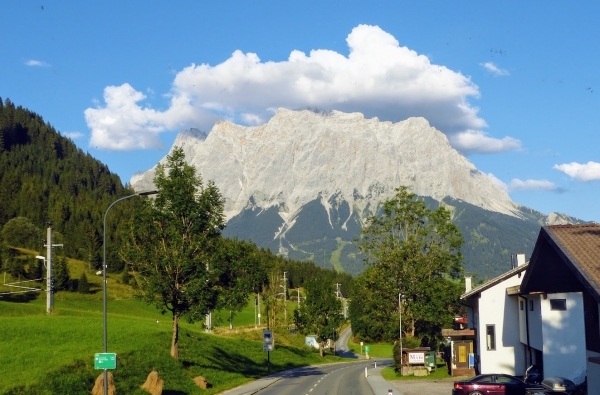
x=83, y=287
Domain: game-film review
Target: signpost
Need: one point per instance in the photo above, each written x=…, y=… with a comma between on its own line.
x=105, y=361
x=268, y=343
x=416, y=358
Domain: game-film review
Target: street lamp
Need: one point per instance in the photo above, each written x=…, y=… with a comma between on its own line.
x=146, y=193
x=400, y=327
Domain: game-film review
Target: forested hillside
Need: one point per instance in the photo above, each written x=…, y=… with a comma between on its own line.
x=45, y=178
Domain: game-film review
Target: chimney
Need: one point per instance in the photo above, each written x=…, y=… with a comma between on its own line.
x=520, y=259
x=467, y=283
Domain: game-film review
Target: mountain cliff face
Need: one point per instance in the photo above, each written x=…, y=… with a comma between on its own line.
x=303, y=183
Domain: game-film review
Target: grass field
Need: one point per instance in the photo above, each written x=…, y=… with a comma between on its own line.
x=54, y=354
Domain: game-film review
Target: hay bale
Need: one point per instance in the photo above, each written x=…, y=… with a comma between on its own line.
x=201, y=382
x=153, y=384
x=99, y=385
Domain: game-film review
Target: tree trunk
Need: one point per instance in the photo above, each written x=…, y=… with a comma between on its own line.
x=175, y=340
x=321, y=349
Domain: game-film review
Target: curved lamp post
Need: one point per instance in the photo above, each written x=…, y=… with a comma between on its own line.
x=146, y=193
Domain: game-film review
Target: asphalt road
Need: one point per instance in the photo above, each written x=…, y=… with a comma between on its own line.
x=338, y=379
x=341, y=379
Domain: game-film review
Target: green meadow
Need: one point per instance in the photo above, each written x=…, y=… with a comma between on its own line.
x=54, y=354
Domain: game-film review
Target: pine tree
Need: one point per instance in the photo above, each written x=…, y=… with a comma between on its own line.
x=83, y=287
x=61, y=277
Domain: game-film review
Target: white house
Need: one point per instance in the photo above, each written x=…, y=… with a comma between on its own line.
x=559, y=304
x=493, y=314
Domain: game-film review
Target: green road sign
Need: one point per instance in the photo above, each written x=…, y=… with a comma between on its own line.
x=105, y=361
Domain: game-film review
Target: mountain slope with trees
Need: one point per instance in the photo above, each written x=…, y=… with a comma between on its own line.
x=45, y=178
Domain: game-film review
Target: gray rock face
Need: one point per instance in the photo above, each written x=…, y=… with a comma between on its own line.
x=299, y=156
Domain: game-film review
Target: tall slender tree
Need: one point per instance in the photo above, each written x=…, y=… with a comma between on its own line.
x=174, y=248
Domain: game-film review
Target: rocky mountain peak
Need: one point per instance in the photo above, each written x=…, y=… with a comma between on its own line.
x=298, y=156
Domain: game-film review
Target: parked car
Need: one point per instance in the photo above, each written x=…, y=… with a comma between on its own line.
x=501, y=384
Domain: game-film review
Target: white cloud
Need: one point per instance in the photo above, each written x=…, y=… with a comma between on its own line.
x=497, y=182
x=378, y=78
x=524, y=185
x=495, y=70
x=36, y=63
x=581, y=172
x=531, y=185
x=475, y=141
x=74, y=135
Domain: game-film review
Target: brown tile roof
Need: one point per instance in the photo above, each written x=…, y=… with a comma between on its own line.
x=581, y=244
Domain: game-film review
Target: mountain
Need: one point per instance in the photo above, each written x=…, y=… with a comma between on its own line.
x=45, y=178
x=303, y=184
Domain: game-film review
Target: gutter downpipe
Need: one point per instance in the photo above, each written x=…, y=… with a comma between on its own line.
x=527, y=327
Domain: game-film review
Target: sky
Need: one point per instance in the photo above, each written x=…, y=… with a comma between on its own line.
x=514, y=85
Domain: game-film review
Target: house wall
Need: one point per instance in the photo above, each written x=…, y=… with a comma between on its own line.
x=563, y=333
x=501, y=310
x=531, y=313
x=593, y=374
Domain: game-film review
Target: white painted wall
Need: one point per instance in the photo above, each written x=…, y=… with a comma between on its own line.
x=534, y=317
x=499, y=309
x=563, y=335
x=593, y=374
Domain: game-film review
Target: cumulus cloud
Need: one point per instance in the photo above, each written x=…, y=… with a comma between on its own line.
x=475, y=141
x=581, y=172
x=379, y=78
x=494, y=70
x=36, y=63
x=524, y=185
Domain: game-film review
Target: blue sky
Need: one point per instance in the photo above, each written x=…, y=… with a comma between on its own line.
x=514, y=85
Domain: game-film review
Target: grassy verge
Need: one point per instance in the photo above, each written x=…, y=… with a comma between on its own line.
x=54, y=354
x=440, y=373
x=376, y=350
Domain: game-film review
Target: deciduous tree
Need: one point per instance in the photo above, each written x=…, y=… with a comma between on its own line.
x=320, y=314
x=415, y=252
x=175, y=250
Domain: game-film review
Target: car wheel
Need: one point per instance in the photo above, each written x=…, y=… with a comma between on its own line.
x=475, y=393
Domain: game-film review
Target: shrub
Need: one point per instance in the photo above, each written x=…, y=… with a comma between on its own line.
x=83, y=287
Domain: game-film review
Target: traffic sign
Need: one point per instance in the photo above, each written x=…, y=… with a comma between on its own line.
x=268, y=340
x=105, y=361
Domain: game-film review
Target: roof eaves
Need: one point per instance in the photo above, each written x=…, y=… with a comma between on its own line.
x=494, y=281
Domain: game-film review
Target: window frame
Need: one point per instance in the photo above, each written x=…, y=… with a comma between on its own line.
x=490, y=337
x=558, y=304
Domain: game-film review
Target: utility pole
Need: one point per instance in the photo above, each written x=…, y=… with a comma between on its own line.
x=285, y=297
x=49, y=285
x=209, y=315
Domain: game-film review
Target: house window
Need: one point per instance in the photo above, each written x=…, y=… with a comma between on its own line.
x=558, y=304
x=531, y=305
x=521, y=305
x=490, y=331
